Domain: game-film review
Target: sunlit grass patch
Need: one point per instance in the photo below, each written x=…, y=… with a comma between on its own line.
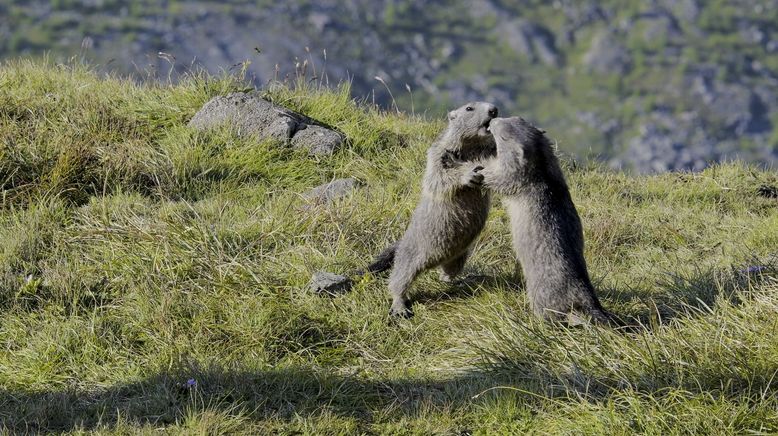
x=155, y=277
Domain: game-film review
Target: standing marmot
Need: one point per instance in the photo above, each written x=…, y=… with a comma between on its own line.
x=452, y=210
x=547, y=232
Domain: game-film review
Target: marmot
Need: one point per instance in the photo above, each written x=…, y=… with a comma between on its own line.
x=547, y=232
x=452, y=210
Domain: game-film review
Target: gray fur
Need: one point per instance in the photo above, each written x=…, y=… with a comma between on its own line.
x=452, y=210
x=381, y=263
x=547, y=232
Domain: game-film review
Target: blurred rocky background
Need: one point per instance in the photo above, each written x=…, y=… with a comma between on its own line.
x=644, y=85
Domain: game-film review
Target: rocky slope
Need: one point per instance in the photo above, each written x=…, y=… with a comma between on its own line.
x=653, y=86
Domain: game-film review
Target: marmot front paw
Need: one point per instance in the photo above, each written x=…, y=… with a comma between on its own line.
x=450, y=159
x=473, y=178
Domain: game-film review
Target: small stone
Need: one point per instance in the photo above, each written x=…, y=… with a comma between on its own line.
x=331, y=191
x=324, y=282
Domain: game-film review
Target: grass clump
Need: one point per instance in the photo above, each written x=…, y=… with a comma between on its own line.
x=156, y=277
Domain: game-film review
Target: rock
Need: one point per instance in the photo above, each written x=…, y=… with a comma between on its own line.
x=687, y=141
x=251, y=115
x=331, y=191
x=739, y=109
x=318, y=140
x=769, y=96
x=658, y=150
x=753, y=34
x=655, y=23
x=672, y=142
x=324, y=282
x=579, y=15
x=531, y=40
x=607, y=55
x=543, y=43
x=687, y=10
x=772, y=46
x=734, y=106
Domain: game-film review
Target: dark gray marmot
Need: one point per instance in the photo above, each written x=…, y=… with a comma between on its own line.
x=452, y=210
x=547, y=232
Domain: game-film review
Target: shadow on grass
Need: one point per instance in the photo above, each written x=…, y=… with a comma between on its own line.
x=286, y=395
x=274, y=394
x=464, y=288
x=675, y=296
x=683, y=296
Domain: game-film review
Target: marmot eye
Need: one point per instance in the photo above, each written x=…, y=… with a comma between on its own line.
x=469, y=108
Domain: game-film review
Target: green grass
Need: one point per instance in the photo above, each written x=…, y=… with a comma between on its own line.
x=137, y=254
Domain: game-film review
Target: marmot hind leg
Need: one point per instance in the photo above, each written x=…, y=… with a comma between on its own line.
x=451, y=269
x=405, y=270
x=579, y=317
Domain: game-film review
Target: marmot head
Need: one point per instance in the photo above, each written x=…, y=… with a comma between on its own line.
x=471, y=121
x=517, y=135
x=527, y=149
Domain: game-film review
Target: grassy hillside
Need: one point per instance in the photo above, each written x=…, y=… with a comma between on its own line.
x=154, y=277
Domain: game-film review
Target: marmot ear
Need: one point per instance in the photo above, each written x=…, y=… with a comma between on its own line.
x=452, y=115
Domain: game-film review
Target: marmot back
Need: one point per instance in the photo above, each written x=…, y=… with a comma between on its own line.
x=547, y=232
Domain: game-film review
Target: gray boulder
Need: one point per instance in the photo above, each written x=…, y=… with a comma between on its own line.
x=251, y=115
